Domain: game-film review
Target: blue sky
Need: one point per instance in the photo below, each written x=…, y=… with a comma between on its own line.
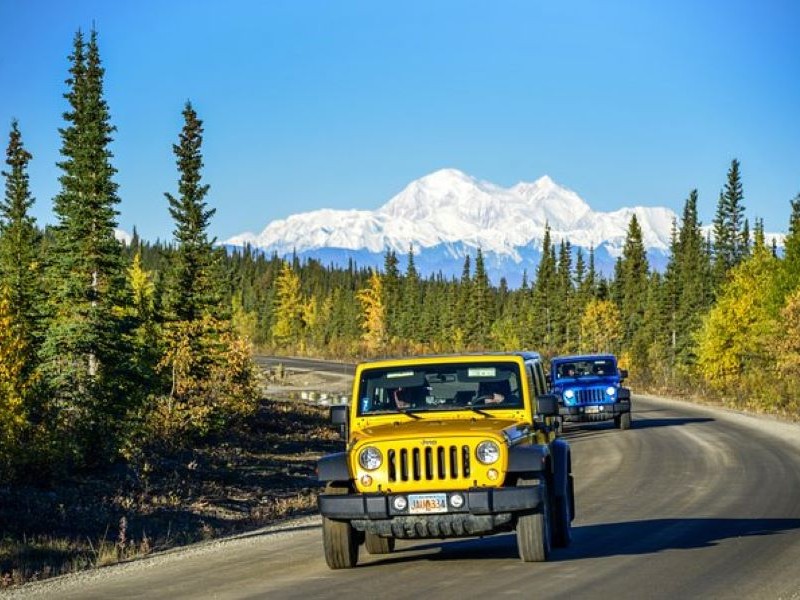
x=340, y=104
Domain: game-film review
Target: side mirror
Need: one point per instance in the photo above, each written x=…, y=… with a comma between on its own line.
x=338, y=415
x=623, y=373
x=547, y=405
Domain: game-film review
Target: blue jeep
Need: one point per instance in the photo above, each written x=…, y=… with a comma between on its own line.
x=589, y=388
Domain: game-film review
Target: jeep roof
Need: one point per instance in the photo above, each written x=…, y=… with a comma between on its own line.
x=577, y=357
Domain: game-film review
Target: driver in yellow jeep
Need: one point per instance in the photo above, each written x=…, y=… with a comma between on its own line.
x=493, y=392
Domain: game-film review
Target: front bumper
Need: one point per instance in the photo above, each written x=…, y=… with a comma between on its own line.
x=595, y=412
x=485, y=510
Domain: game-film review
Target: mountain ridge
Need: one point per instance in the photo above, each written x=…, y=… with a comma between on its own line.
x=451, y=206
x=448, y=214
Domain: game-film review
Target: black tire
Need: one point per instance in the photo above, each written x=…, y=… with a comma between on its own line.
x=339, y=538
x=623, y=421
x=376, y=544
x=533, y=530
x=562, y=517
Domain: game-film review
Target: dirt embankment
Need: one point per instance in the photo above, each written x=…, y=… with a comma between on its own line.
x=255, y=475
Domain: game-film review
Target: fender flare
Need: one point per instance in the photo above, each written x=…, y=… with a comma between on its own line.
x=528, y=459
x=333, y=467
x=562, y=466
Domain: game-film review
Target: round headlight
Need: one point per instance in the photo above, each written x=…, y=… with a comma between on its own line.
x=611, y=391
x=569, y=394
x=370, y=458
x=487, y=452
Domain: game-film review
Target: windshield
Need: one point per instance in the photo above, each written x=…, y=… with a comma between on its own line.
x=421, y=388
x=599, y=367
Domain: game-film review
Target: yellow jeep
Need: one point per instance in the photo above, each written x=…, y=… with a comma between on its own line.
x=447, y=446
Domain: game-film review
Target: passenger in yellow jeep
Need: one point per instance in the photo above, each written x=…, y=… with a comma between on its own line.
x=409, y=397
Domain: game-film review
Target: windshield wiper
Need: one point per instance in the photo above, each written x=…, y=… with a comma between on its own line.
x=411, y=412
x=480, y=411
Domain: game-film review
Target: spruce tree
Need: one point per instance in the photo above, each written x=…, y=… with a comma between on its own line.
x=563, y=309
x=729, y=230
x=19, y=243
x=580, y=270
x=85, y=345
x=479, y=312
x=583, y=292
x=650, y=345
x=452, y=334
x=503, y=296
x=759, y=237
x=432, y=313
x=744, y=240
x=693, y=288
x=633, y=283
x=544, y=297
x=466, y=271
x=616, y=287
x=671, y=292
x=20, y=298
x=789, y=275
x=193, y=289
x=591, y=281
x=411, y=300
x=391, y=293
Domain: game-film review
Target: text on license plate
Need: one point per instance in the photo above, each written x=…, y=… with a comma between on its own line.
x=427, y=503
x=594, y=409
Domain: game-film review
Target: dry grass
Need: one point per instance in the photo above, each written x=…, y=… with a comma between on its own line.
x=254, y=476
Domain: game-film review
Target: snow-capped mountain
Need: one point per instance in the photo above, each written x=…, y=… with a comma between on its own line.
x=449, y=214
x=123, y=236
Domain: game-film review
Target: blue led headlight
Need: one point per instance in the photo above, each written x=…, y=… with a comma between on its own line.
x=611, y=391
x=569, y=396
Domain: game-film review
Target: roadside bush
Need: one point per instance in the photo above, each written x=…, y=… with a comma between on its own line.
x=212, y=382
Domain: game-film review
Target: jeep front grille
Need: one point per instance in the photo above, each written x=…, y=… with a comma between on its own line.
x=593, y=396
x=431, y=463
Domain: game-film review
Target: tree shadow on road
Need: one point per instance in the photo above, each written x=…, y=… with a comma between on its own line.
x=575, y=431
x=656, y=535
x=669, y=422
x=619, y=539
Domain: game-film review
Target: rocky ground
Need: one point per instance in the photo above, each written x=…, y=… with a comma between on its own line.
x=259, y=474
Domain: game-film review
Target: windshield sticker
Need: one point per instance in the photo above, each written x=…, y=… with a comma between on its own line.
x=399, y=374
x=482, y=372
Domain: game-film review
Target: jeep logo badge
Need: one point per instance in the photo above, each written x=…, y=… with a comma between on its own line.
x=428, y=442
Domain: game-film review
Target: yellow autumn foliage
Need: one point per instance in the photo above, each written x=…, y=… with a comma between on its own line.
x=142, y=286
x=735, y=335
x=288, y=309
x=14, y=384
x=213, y=380
x=787, y=345
x=505, y=334
x=373, y=314
x=601, y=327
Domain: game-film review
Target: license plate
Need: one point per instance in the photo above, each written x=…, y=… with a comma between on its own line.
x=594, y=409
x=427, y=503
